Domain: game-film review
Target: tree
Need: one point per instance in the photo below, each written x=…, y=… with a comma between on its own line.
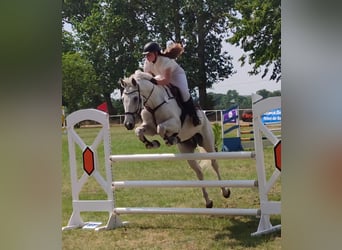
x=200, y=26
x=68, y=42
x=112, y=33
x=265, y=93
x=232, y=97
x=76, y=11
x=109, y=34
x=245, y=102
x=78, y=76
x=256, y=28
x=275, y=93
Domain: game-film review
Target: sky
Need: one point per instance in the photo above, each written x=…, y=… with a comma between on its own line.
x=241, y=81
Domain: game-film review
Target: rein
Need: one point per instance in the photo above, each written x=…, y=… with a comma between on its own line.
x=149, y=96
x=152, y=111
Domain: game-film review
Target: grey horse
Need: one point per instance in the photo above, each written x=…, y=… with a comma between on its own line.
x=161, y=114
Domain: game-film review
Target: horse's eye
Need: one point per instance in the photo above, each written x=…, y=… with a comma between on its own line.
x=135, y=99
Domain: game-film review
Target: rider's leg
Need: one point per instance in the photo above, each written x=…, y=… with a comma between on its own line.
x=190, y=109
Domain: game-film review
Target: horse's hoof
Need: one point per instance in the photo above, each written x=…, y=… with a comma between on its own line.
x=172, y=140
x=210, y=204
x=156, y=144
x=167, y=142
x=227, y=193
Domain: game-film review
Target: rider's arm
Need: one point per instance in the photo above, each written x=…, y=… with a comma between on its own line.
x=165, y=79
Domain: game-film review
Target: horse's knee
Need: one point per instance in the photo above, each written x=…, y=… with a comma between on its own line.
x=139, y=131
x=168, y=128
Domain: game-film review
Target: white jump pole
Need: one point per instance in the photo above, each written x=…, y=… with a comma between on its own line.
x=184, y=184
x=198, y=211
x=184, y=156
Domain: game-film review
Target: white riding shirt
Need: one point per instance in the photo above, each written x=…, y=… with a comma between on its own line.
x=178, y=76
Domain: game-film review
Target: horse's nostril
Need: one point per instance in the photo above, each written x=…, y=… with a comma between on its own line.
x=129, y=125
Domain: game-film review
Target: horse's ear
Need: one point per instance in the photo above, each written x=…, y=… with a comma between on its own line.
x=134, y=82
x=122, y=83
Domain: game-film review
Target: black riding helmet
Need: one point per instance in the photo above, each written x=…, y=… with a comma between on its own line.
x=151, y=47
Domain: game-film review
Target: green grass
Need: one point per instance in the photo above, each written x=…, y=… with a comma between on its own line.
x=167, y=231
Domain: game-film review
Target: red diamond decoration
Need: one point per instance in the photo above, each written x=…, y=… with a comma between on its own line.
x=277, y=155
x=88, y=161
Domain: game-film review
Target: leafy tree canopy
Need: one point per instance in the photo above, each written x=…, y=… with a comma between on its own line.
x=110, y=35
x=201, y=27
x=256, y=28
x=68, y=42
x=79, y=89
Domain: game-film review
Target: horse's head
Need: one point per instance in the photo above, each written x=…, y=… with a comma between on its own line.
x=131, y=100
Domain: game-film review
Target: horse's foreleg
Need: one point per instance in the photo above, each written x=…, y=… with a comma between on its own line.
x=140, y=133
x=169, y=130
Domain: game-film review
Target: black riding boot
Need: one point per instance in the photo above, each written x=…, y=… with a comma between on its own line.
x=191, y=111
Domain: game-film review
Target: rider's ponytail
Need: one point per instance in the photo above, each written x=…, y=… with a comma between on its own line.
x=173, y=51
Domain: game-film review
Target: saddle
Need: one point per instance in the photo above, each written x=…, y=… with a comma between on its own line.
x=177, y=95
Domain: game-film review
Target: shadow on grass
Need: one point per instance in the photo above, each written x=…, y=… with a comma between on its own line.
x=240, y=230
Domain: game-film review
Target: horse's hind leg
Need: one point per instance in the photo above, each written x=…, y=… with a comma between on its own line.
x=195, y=166
x=225, y=191
x=189, y=147
x=208, y=144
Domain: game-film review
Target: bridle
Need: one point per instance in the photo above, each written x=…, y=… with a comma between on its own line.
x=138, y=109
x=146, y=99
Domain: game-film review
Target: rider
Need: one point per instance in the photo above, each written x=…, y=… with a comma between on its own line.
x=167, y=71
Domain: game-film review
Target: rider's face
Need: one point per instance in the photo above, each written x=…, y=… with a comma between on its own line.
x=151, y=56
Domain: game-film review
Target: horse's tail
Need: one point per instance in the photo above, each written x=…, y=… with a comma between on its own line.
x=174, y=51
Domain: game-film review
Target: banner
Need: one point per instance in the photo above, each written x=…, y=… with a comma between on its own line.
x=230, y=115
x=273, y=116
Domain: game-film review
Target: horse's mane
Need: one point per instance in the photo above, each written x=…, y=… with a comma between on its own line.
x=173, y=51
